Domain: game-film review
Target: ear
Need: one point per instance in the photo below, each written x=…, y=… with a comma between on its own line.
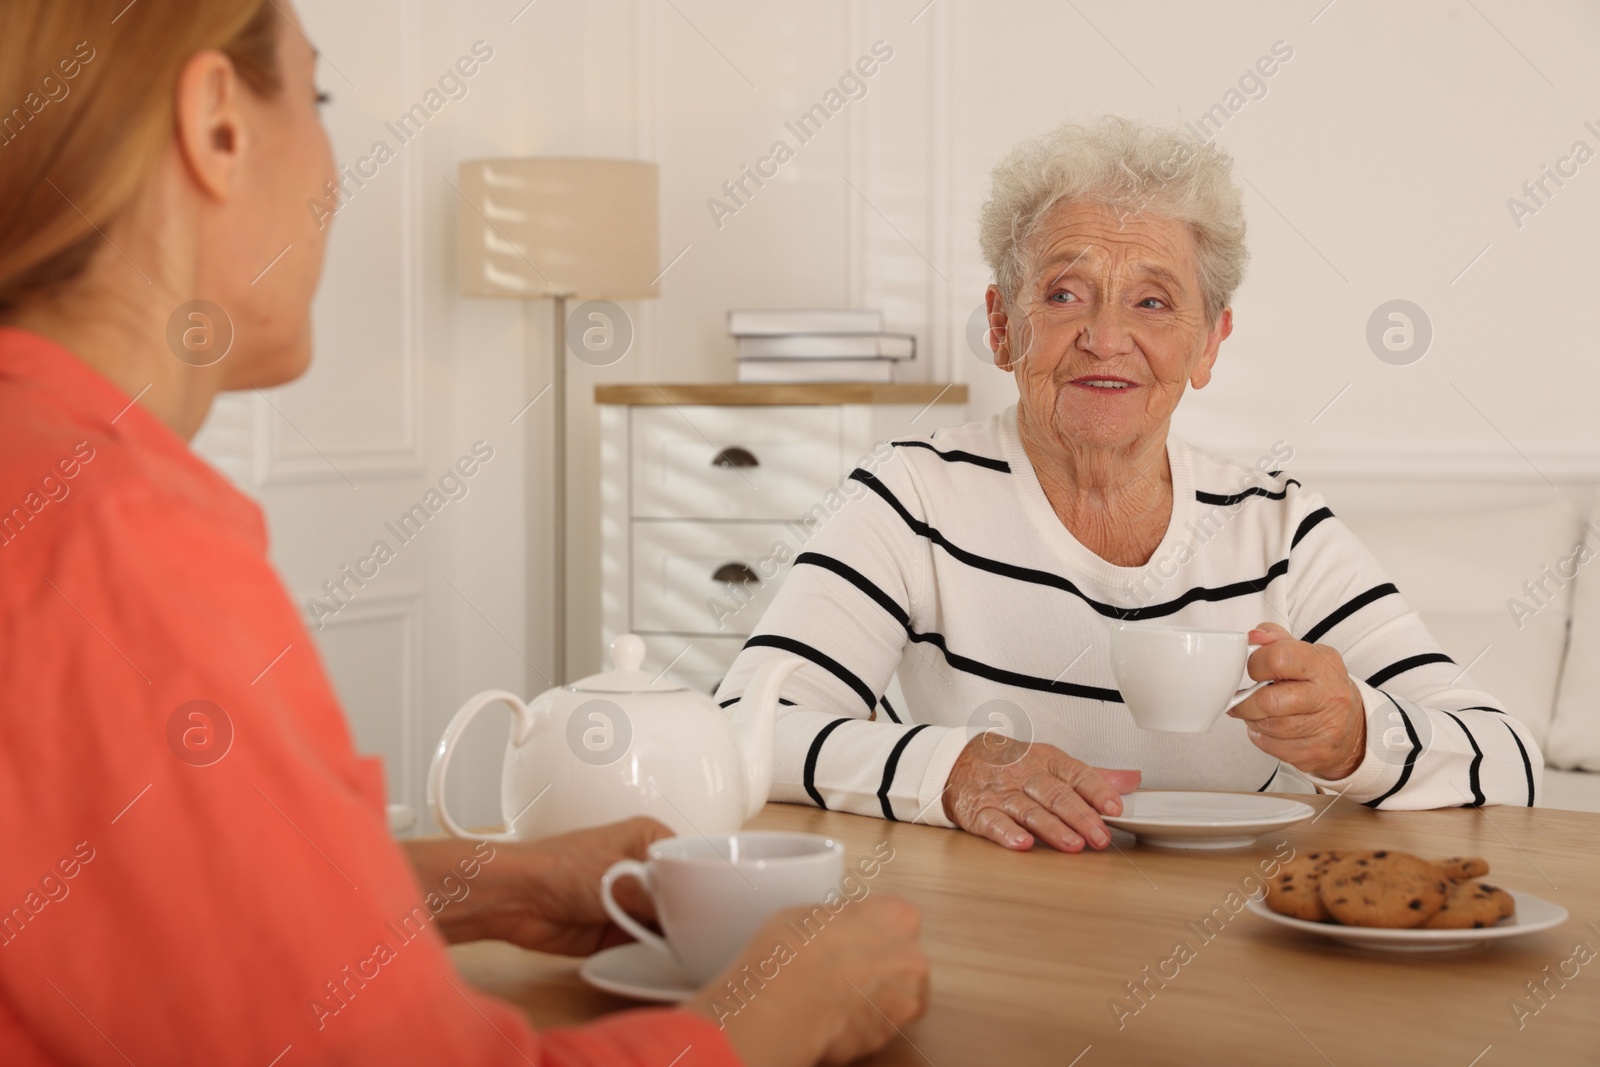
x=998, y=338
x=1201, y=375
x=210, y=125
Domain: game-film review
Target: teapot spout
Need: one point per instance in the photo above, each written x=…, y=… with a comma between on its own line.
x=755, y=719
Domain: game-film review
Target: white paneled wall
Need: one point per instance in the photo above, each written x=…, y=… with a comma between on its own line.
x=1378, y=164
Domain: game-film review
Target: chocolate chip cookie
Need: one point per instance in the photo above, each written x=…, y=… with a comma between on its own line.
x=1293, y=890
x=1471, y=905
x=1383, y=888
x=1461, y=868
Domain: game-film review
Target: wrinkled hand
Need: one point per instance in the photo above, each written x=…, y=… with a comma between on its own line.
x=1312, y=715
x=547, y=897
x=1011, y=791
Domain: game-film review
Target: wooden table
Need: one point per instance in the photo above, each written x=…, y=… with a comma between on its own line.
x=1031, y=951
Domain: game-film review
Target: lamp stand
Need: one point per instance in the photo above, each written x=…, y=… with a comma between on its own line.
x=536, y=614
x=555, y=228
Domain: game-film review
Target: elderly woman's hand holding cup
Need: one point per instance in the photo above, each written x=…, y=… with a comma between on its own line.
x=1312, y=715
x=1306, y=710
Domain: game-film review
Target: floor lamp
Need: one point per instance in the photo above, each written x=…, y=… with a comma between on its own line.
x=559, y=229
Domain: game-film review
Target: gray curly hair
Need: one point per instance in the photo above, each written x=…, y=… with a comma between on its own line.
x=1129, y=167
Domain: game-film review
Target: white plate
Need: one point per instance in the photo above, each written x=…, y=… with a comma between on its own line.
x=1533, y=914
x=638, y=971
x=1204, y=820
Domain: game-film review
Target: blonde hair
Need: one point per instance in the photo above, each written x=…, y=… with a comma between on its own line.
x=86, y=110
x=1128, y=167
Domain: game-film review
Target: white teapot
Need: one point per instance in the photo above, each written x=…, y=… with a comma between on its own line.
x=624, y=743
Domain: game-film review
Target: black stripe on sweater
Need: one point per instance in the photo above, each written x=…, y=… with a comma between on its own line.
x=1056, y=581
x=1199, y=593
x=1409, y=663
x=960, y=663
x=892, y=765
x=1308, y=524
x=1411, y=758
x=1472, y=771
x=888, y=708
x=1236, y=498
x=857, y=579
x=821, y=659
x=731, y=701
x=1497, y=711
x=955, y=455
x=1012, y=678
x=1347, y=609
x=811, y=761
x=1269, y=780
x=1527, y=764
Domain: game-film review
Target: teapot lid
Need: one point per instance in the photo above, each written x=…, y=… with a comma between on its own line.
x=627, y=657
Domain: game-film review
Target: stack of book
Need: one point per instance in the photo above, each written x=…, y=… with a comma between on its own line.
x=842, y=345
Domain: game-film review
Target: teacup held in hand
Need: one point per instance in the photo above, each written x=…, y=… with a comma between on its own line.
x=713, y=893
x=1180, y=680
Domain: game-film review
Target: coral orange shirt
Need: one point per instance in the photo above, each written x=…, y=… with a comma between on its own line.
x=194, y=863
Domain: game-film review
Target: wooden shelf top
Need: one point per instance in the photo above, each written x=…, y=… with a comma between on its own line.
x=741, y=394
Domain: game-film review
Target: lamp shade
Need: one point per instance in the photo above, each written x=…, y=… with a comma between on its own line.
x=538, y=227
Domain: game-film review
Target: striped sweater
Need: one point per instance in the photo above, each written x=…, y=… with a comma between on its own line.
x=947, y=566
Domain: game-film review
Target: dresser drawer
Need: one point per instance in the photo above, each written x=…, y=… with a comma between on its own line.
x=733, y=462
x=682, y=571
x=698, y=662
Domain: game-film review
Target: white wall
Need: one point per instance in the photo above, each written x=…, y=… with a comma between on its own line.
x=1378, y=164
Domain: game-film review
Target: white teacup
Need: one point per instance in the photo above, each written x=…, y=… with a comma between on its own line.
x=1180, y=680
x=713, y=893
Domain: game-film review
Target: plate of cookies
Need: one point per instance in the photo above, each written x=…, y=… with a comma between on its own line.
x=1396, y=901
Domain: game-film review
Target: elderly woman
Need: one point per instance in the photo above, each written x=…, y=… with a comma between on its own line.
x=986, y=564
x=162, y=902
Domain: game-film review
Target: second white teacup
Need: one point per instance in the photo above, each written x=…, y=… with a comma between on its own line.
x=1180, y=680
x=713, y=893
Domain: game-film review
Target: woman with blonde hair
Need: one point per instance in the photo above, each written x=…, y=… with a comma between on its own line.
x=159, y=907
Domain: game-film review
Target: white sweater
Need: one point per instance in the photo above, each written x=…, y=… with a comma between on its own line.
x=944, y=562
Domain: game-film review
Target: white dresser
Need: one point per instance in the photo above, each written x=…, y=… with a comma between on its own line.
x=707, y=490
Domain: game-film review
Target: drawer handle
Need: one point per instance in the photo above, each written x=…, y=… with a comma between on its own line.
x=734, y=456
x=736, y=573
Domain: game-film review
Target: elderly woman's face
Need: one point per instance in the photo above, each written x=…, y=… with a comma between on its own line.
x=1108, y=327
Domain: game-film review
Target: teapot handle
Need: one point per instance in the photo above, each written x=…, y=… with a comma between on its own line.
x=447, y=744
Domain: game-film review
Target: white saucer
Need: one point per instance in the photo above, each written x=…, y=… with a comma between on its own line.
x=1533, y=914
x=1204, y=820
x=638, y=971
